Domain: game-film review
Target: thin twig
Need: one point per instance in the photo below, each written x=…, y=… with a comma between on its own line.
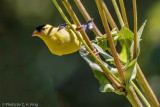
x=118, y=13
x=109, y=17
x=135, y=28
x=87, y=17
x=123, y=13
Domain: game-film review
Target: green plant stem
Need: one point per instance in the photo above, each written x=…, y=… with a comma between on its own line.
x=88, y=48
x=109, y=17
x=140, y=94
x=118, y=13
x=87, y=17
x=132, y=97
x=141, y=80
x=77, y=22
x=110, y=39
x=123, y=13
x=135, y=28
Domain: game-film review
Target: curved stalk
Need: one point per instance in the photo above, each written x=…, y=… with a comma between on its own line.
x=141, y=80
x=109, y=17
x=118, y=13
x=123, y=13
x=132, y=97
x=140, y=94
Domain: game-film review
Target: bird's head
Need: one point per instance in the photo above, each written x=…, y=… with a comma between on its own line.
x=42, y=30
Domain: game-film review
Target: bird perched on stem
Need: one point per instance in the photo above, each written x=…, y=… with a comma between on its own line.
x=61, y=40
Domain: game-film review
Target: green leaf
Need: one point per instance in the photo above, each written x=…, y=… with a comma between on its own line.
x=130, y=72
x=105, y=85
x=126, y=38
x=139, y=34
x=106, y=56
x=126, y=35
x=124, y=54
x=103, y=53
x=98, y=73
x=102, y=42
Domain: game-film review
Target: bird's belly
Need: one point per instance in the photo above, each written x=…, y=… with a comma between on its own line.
x=64, y=46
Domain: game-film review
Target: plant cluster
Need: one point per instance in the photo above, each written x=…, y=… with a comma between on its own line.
x=114, y=71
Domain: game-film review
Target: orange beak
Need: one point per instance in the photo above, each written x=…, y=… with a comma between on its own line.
x=36, y=33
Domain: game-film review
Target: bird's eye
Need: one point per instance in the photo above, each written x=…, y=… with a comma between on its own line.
x=39, y=28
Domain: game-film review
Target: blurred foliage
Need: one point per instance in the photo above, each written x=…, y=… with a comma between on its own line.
x=30, y=73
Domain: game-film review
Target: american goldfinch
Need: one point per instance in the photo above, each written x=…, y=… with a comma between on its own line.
x=59, y=41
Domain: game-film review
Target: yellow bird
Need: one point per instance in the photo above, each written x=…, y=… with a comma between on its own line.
x=60, y=41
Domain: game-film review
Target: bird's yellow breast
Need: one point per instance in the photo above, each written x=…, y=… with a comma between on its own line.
x=62, y=42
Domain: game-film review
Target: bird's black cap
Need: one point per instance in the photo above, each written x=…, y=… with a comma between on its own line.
x=40, y=27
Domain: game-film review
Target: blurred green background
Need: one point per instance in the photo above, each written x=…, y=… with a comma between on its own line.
x=29, y=73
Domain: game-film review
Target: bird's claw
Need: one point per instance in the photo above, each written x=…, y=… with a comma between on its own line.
x=94, y=51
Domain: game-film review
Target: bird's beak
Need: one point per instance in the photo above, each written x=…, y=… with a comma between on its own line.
x=36, y=33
